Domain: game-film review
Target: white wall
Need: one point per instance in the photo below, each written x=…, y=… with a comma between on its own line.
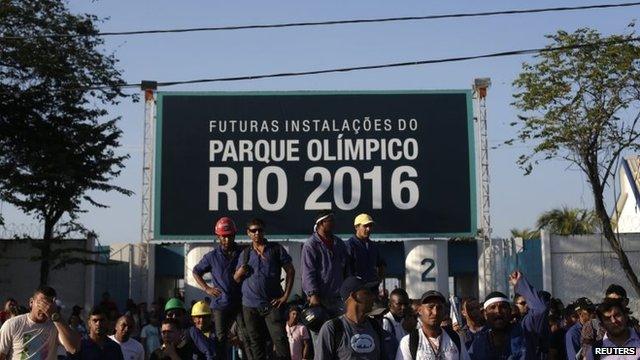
x=584, y=265
x=420, y=255
x=193, y=254
x=19, y=276
x=294, y=248
x=629, y=218
x=132, y=254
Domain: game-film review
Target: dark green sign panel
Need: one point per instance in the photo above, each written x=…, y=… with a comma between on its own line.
x=406, y=158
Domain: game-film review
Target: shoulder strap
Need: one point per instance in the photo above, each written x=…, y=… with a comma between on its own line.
x=377, y=328
x=454, y=337
x=380, y=332
x=414, y=339
x=278, y=252
x=245, y=254
x=391, y=326
x=351, y=258
x=338, y=332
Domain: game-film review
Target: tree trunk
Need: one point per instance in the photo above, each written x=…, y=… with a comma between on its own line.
x=607, y=229
x=45, y=252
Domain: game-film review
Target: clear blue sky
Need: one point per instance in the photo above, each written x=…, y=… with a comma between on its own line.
x=516, y=200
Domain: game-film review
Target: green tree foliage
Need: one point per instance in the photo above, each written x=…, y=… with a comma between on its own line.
x=57, y=144
x=569, y=221
x=580, y=103
x=525, y=234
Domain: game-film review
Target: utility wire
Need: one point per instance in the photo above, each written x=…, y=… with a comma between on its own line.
x=365, y=67
x=335, y=22
x=390, y=65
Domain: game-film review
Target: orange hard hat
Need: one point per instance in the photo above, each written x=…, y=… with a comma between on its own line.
x=225, y=227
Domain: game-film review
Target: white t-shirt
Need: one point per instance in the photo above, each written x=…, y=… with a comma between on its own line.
x=23, y=339
x=131, y=349
x=394, y=327
x=447, y=348
x=151, y=334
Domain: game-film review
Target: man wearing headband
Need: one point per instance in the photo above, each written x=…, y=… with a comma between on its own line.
x=324, y=257
x=522, y=340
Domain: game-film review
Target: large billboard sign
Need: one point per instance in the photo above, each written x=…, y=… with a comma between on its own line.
x=405, y=157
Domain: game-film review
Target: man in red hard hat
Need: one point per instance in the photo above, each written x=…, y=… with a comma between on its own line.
x=225, y=292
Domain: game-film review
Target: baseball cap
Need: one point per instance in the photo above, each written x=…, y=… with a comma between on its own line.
x=353, y=284
x=583, y=304
x=432, y=294
x=363, y=219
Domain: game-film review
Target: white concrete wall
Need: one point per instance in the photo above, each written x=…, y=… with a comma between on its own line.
x=584, y=265
x=294, y=248
x=19, y=276
x=629, y=217
x=193, y=254
x=420, y=256
x=132, y=254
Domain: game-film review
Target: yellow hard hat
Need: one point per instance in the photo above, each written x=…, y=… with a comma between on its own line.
x=200, y=309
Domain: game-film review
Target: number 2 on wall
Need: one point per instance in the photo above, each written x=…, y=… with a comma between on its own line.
x=425, y=274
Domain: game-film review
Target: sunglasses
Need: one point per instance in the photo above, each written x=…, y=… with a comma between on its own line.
x=256, y=230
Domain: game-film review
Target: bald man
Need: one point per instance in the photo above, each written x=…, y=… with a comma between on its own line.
x=131, y=349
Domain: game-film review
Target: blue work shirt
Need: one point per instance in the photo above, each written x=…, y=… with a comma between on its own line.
x=90, y=350
x=323, y=269
x=469, y=335
x=572, y=340
x=364, y=259
x=527, y=336
x=222, y=269
x=263, y=283
x=206, y=345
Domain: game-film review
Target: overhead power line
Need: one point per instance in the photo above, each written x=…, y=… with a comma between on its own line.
x=366, y=67
x=334, y=22
x=390, y=65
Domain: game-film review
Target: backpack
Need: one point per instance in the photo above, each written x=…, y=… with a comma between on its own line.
x=414, y=340
x=338, y=333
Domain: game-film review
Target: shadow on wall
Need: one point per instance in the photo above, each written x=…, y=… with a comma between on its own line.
x=584, y=265
x=113, y=279
x=19, y=276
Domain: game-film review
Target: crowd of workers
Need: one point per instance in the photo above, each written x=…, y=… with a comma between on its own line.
x=246, y=313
